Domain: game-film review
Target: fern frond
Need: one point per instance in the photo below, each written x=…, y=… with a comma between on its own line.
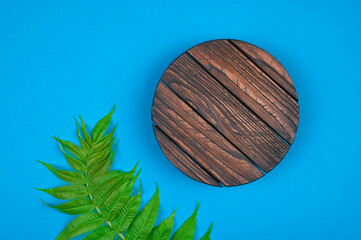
x=74, y=163
x=82, y=224
x=103, y=199
x=67, y=192
x=73, y=148
x=68, y=176
x=87, y=138
x=76, y=207
x=187, y=230
x=82, y=142
x=207, y=235
x=102, y=233
x=127, y=213
x=145, y=219
x=101, y=126
x=163, y=230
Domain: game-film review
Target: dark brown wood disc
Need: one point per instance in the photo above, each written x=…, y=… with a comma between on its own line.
x=225, y=112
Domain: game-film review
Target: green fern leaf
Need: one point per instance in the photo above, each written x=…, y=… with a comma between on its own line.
x=87, y=138
x=187, y=230
x=102, y=233
x=207, y=235
x=74, y=149
x=67, y=192
x=76, y=207
x=82, y=224
x=103, y=142
x=144, y=221
x=103, y=181
x=74, y=163
x=110, y=187
x=101, y=196
x=99, y=156
x=115, y=202
x=101, y=126
x=127, y=213
x=68, y=176
x=101, y=167
x=163, y=230
x=82, y=142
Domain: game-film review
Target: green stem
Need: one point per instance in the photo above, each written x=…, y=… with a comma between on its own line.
x=91, y=197
x=96, y=207
x=100, y=212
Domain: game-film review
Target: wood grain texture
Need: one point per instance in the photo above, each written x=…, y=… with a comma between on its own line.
x=189, y=131
x=225, y=112
x=269, y=65
x=250, y=85
x=181, y=160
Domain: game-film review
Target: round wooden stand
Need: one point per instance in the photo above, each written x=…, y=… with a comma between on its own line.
x=225, y=112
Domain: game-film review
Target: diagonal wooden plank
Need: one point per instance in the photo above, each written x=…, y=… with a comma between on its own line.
x=265, y=83
x=269, y=64
x=181, y=160
x=235, y=71
x=198, y=139
x=225, y=113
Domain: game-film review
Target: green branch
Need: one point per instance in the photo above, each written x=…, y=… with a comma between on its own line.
x=100, y=196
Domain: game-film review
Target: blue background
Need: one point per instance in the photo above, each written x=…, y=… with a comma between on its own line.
x=59, y=59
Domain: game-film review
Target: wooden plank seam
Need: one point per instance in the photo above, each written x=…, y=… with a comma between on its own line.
x=237, y=98
x=188, y=155
x=253, y=92
x=242, y=170
x=260, y=68
x=210, y=124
